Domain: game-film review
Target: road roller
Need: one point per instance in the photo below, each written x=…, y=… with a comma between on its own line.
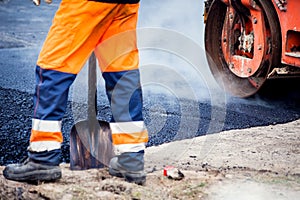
x=249, y=42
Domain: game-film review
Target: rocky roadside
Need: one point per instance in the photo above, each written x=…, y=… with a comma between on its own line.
x=255, y=163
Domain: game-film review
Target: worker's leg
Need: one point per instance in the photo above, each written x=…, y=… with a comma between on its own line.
x=73, y=35
x=119, y=60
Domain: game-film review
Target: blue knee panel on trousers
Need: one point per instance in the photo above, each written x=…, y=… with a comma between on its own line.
x=51, y=94
x=125, y=95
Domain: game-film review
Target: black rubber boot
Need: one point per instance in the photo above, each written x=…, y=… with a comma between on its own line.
x=30, y=171
x=129, y=167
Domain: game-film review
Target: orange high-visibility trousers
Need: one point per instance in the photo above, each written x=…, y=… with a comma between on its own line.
x=80, y=27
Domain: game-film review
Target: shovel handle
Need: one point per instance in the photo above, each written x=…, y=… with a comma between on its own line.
x=92, y=88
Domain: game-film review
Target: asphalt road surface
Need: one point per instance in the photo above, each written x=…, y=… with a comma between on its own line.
x=170, y=114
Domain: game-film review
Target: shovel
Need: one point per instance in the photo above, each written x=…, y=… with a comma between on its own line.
x=90, y=140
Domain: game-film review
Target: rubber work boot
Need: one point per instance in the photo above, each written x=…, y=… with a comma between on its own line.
x=31, y=171
x=132, y=170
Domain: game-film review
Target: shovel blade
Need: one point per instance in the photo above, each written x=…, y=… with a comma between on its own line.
x=90, y=146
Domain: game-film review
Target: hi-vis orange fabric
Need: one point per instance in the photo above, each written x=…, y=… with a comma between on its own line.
x=67, y=49
x=80, y=27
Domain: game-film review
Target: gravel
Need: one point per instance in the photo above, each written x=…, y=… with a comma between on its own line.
x=166, y=117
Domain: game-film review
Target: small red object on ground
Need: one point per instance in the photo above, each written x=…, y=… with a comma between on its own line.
x=166, y=169
x=173, y=173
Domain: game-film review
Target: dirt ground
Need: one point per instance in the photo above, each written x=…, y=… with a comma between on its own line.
x=252, y=164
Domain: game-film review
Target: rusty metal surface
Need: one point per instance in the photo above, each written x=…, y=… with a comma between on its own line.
x=289, y=21
x=244, y=54
x=242, y=41
x=281, y=4
x=287, y=70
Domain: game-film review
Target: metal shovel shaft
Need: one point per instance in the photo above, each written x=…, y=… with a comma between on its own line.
x=90, y=140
